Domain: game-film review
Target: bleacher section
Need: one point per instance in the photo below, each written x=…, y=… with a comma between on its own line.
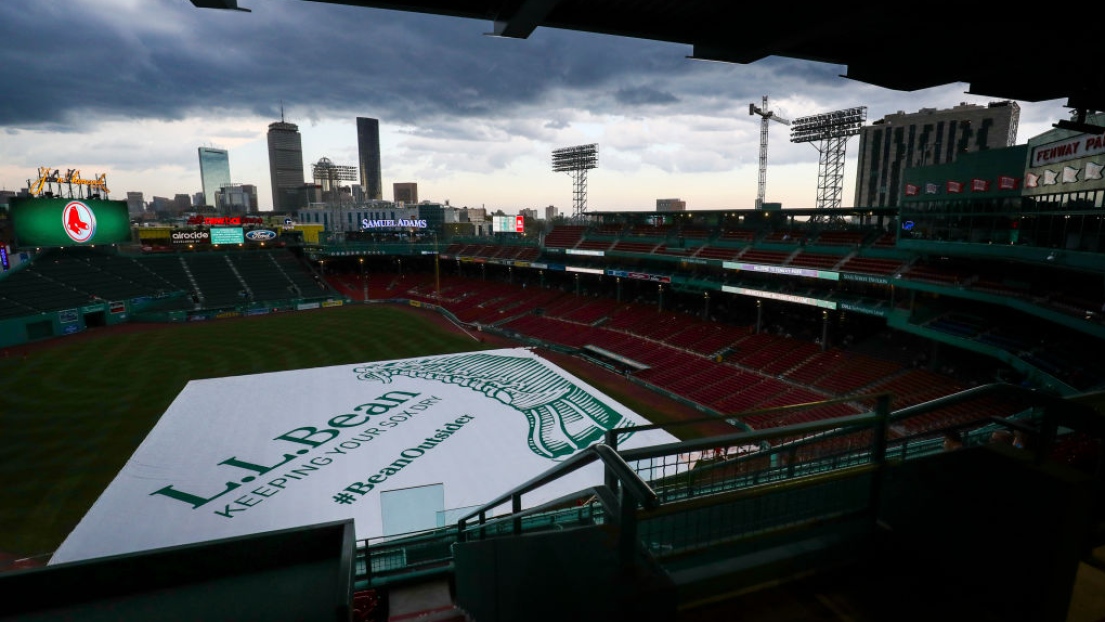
x=806, y=259
x=839, y=238
x=718, y=252
x=872, y=265
x=565, y=236
x=752, y=255
x=62, y=279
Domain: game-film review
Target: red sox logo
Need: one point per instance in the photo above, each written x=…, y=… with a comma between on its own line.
x=79, y=222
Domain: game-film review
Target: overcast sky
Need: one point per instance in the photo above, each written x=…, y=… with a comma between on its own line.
x=131, y=89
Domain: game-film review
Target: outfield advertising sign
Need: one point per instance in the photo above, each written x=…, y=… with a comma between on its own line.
x=247, y=454
x=69, y=222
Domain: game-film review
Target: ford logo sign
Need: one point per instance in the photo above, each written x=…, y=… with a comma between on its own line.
x=260, y=235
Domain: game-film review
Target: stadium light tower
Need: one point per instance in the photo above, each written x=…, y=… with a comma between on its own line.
x=832, y=130
x=576, y=161
x=761, y=186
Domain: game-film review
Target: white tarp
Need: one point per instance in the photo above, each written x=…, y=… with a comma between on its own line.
x=246, y=454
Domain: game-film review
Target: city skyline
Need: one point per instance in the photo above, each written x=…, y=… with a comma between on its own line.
x=471, y=119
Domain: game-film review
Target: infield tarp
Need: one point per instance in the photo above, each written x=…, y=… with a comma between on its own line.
x=247, y=454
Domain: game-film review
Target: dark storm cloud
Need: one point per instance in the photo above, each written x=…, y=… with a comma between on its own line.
x=67, y=64
x=642, y=96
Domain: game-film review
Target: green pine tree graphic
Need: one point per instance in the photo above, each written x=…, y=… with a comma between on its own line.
x=563, y=418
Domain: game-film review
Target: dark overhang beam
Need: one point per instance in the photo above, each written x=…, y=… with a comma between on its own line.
x=229, y=5
x=522, y=23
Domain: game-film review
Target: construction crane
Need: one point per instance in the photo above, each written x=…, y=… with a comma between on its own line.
x=766, y=115
x=53, y=182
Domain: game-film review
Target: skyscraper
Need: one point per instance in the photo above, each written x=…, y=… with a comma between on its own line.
x=405, y=192
x=214, y=172
x=285, y=164
x=368, y=147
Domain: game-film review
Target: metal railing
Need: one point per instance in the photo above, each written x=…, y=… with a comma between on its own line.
x=675, y=499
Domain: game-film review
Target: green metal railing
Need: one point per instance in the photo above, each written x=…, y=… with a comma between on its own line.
x=677, y=499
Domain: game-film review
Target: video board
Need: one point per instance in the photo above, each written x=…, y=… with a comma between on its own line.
x=508, y=224
x=227, y=235
x=69, y=222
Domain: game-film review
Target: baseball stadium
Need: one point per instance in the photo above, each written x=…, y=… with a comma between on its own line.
x=712, y=401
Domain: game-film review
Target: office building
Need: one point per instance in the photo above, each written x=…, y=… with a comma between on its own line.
x=136, y=204
x=368, y=148
x=238, y=199
x=550, y=213
x=405, y=192
x=285, y=165
x=671, y=205
x=214, y=172
x=182, y=203
x=900, y=141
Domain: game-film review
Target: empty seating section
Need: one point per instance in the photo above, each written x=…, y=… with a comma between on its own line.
x=752, y=255
x=1077, y=305
x=776, y=353
x=298, y=273
x=695, y=233
x=78, y=271
x=13, y=307
x=348, y=285
x=886, y=240
x=960, y=325
x=1003, y=288
x=39, y=293
x=723, y=367
x=59, y=280
x=841, y=373
x=383, y=285
x=681, y=250
x=646, y=321
x=263, y=277
x=625, y=246
x=217, y=283
x=937, y=274
x=785, y=237
x=806, y=259
x=565, y=236
x=494, y=251
x=913, y=386
x=656, y=231
x=591, y=244
x=490, y=302
x=553, y=330
x=872, y=265
x=709, y=338
x=170, y=268
x=582, y=310
x=839, y=238
x=718, y=252
x=527, y=253
x=738, y=235
x=139, y=277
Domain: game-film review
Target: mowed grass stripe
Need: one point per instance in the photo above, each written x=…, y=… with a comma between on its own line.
x=73, y=412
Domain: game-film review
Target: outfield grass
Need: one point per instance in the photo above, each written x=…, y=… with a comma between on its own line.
x=74, y=410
